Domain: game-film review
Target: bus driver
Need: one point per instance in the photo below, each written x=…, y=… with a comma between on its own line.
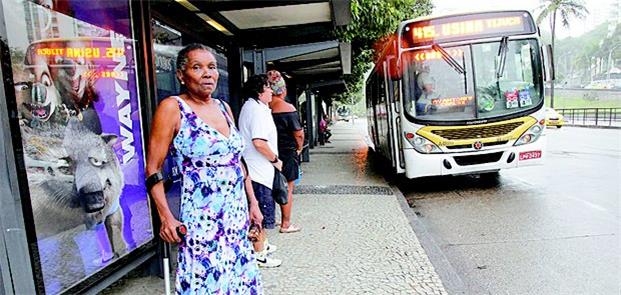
x=425, y=88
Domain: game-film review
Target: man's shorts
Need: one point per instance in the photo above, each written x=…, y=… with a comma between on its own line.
x=266, y=204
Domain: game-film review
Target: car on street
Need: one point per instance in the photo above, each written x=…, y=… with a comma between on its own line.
x=600, y=84
x=553, y=118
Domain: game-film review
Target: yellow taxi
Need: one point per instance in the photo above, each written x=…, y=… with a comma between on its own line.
x=553, y=118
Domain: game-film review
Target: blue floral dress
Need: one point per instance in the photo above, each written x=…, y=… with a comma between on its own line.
x=216, y=256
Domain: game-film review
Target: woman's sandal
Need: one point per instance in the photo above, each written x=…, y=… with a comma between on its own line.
x=291, y=229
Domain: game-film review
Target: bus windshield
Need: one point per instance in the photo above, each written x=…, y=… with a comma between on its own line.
x=436, y=91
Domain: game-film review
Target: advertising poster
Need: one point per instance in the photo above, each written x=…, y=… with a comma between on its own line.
x=78, y=107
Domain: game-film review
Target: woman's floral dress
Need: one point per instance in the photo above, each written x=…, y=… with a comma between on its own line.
x=216, y=256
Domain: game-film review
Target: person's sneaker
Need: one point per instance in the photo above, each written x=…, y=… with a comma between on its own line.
x=269, y=248
x=264, y=261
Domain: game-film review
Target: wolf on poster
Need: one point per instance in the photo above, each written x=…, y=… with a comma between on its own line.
x=76, y=97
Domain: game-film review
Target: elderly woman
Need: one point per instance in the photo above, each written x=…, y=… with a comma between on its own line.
x=216, y=256
x=259, y=132
x=290, y=142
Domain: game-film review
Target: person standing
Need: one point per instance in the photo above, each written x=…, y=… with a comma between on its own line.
x=215, y=256
x=290, y=143
x=259, y=132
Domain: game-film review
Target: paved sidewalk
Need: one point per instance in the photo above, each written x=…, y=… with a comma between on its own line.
x=355, y=238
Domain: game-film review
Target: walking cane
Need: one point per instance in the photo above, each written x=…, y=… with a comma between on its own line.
x=181, y=232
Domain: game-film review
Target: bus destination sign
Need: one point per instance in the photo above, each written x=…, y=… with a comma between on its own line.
x=468, y=27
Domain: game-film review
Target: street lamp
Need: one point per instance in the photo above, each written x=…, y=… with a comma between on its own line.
x=610, y=64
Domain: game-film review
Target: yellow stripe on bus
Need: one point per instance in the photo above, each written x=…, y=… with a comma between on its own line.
x=526, y=122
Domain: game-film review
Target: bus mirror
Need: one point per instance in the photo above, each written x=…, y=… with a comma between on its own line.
x=549, y=63
x=394, y=69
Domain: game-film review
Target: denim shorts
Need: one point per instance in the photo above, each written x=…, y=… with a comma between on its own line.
x=266, y=204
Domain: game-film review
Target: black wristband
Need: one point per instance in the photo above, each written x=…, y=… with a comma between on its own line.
x=153, y=179
x=275, y=159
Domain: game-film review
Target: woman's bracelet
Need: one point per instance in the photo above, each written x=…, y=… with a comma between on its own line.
x=275, y=160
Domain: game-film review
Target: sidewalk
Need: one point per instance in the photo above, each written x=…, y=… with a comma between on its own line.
x=355, y=237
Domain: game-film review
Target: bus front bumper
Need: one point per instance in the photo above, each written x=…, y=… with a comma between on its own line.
x=420, y=165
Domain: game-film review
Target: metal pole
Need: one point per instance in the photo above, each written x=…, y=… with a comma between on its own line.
x=596, y=115
x=352, y=111
x=584, y=116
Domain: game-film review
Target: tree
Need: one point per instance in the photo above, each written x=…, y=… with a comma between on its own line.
x=566, y=9
x=578, y=55
x=372, y=21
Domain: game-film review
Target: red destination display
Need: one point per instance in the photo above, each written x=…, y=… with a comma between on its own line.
x=468, y=27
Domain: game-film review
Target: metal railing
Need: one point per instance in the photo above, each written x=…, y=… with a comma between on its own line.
x=610, y=117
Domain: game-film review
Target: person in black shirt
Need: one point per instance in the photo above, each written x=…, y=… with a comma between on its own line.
x=290, y=142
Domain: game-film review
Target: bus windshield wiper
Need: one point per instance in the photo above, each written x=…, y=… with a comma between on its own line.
x=449, y=59
x=502, y=56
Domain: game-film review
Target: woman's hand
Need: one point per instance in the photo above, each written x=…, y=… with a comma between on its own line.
x=168, y=230
x=255, y=214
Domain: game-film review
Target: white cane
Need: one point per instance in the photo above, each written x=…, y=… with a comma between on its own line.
x=181, y=232
x=166, y=255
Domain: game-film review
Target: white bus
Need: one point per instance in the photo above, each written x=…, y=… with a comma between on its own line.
x=460, y=94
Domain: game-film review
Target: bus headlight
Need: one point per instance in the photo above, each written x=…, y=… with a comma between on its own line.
x=421, y=144
x=531, y=135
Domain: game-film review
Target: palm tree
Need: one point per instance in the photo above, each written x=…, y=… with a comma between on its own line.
x=565, y=9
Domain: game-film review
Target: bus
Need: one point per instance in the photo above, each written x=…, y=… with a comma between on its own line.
x=460, y=94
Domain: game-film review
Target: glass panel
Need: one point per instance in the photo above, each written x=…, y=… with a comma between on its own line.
x=518, y=88
x=78, y=107
x=435, y=90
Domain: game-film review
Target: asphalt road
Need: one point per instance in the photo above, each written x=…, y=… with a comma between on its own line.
x=552, y=229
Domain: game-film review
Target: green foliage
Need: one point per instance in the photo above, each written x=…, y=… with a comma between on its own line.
x=372, y=21
x=563, y=9
x=576, y=58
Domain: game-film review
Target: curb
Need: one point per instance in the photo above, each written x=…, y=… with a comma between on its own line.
x=593, y=126
x=450, y=279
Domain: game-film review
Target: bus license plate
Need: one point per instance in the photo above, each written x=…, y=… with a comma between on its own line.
x=530, y=155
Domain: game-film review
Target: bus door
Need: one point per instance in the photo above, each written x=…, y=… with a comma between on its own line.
x=390, y=153
x=393, y=111
x=377, y=147
x=382, y=115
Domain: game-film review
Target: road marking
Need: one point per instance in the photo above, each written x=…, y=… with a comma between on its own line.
x=532, y=240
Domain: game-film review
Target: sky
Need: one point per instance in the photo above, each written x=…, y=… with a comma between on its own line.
x=599, y=11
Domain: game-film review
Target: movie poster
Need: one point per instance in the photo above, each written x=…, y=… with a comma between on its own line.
x=79, y=115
